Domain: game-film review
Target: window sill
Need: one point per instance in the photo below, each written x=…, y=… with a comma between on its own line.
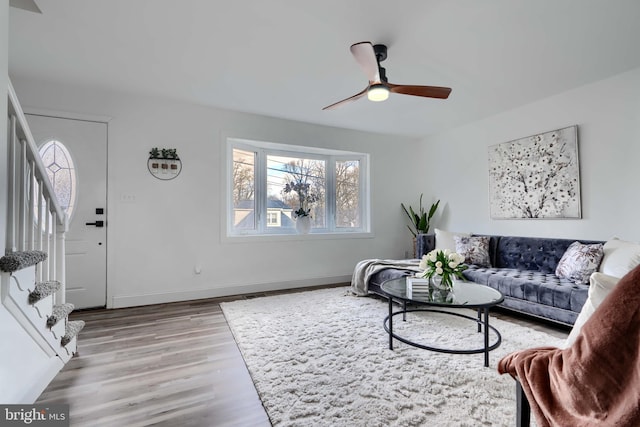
x=247, y=238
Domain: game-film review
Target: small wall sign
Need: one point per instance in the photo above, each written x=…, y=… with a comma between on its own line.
x=164, y=163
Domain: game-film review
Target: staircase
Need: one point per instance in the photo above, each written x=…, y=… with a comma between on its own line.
x=38, y=338
x=36, y=311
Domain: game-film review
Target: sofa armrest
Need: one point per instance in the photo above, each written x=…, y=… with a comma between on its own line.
x=600, y=285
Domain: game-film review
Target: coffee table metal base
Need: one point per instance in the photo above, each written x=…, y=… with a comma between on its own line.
x=482, y=312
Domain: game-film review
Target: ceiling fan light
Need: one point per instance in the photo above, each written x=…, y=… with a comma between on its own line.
x=378, y=92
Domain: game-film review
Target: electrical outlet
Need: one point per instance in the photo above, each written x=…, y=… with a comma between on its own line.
x=128, y=198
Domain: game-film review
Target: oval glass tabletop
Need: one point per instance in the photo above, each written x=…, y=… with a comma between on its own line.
x=464, y=294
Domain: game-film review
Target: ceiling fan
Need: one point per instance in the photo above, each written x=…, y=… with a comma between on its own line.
x=369, y=57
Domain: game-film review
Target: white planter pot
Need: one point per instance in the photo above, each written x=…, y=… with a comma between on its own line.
x=303, y=224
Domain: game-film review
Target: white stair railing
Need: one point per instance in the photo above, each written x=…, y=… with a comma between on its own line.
x=35, y=220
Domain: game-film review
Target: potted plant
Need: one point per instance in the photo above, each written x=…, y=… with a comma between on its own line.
x=421, y=220
x=154, y=154
x=302, y=215
x=172, y=155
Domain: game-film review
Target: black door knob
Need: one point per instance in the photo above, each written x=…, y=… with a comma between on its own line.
x=97, y=223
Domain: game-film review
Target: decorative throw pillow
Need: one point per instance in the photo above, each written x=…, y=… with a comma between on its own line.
x=579, y=262
x=444, y=239
x=474, y=249
x=620, y=257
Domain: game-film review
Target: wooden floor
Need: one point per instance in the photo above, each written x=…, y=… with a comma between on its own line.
x=168, y=365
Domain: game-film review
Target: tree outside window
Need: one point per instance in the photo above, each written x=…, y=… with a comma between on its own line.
x=243, y=178
x=347, y=191
x=304, y=187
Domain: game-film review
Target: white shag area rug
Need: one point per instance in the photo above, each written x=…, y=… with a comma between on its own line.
x=321, y=358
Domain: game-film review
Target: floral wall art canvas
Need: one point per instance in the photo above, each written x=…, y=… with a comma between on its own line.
x=536, y=177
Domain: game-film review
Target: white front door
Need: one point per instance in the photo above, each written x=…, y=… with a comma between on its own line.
x=86, y=240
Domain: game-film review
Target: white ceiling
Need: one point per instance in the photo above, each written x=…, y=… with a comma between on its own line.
x=290, y=58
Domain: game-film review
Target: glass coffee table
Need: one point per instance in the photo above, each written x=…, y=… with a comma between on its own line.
x=465, y=295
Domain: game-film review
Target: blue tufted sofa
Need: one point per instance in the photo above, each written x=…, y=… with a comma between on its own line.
x=523, y=269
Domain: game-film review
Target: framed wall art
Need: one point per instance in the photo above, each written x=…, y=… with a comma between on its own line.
x=536, y=177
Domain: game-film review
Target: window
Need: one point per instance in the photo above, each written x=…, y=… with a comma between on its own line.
x=273, y=219
x=270, y=185
x=61, y=172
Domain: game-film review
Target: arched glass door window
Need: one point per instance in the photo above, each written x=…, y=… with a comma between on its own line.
x=61, y=172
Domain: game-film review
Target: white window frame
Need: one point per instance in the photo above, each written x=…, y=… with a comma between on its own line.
x=275, y=215
x=262, y=150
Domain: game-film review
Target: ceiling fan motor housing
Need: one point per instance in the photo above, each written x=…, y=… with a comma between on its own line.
x=380, y=51
x=381, y=54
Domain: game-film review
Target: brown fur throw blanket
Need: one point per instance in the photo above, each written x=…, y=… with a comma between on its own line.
x=596, y=381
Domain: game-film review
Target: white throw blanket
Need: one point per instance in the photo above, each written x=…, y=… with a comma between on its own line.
x=368, y=267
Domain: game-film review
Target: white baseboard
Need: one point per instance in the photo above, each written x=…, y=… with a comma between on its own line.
x=159, y=298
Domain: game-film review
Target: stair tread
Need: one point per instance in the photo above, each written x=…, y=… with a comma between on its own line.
x=43, y=290
x=72, y=330
x=22, y=259
x=60, y=311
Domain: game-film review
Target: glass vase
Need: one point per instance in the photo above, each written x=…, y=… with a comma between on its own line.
x=303, y=224
x=441, y=288
x=444, y=283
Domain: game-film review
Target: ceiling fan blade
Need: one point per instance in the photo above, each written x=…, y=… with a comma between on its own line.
x=29, y=5
x=424, y=91
x=347, y=100
x=365, y=56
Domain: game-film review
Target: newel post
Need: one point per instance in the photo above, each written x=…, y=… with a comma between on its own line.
x=60, y=262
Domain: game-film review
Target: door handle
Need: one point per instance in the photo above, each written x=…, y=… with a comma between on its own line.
x=97, y=223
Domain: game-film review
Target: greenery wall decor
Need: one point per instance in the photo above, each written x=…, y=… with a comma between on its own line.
x=164, y=163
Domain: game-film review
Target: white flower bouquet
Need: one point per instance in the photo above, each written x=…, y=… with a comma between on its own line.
x=443, y=265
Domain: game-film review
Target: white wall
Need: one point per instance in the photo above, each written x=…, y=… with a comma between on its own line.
x=155, y=242
x=4, y=83
x=608, y=117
